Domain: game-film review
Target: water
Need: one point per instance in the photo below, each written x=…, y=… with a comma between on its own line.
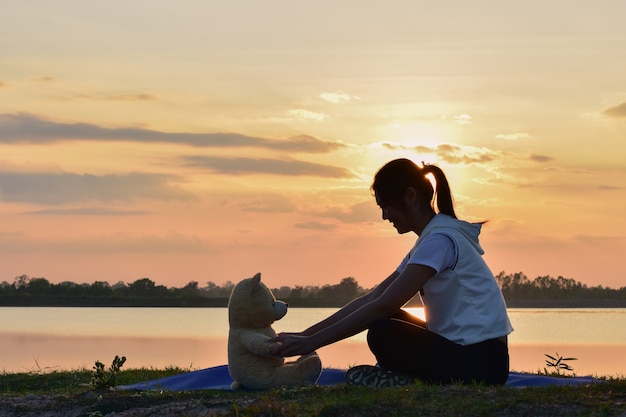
x=45, y=339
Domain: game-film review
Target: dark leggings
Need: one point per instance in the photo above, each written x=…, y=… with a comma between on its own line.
x=402, y=343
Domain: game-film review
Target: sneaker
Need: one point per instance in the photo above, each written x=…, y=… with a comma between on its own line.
x=375, y=377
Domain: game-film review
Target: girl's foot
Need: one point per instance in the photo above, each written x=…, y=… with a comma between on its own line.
x=375, y=377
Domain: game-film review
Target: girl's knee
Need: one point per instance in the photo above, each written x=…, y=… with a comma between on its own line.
x=378, y=332
x=379, y=326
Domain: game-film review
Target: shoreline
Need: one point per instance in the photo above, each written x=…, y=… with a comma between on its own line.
x=293, y=303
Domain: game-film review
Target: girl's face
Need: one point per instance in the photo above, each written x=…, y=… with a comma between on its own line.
x=398, y=217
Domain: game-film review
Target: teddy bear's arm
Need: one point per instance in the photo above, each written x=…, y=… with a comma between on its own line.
x=257, y=343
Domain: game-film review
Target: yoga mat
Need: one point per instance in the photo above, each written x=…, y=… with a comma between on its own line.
x=218, y=378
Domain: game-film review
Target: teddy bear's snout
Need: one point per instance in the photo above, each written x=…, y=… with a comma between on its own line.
x=280, y=309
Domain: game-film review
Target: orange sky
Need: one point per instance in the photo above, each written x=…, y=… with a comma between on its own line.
x=207, y=141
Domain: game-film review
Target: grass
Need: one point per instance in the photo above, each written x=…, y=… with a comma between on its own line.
x=68, y=393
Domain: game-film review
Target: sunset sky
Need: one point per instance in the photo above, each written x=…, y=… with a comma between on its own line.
x=210, y=140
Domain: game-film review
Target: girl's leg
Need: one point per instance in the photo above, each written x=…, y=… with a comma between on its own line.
x=486, y=362
x=409, y=348
x=403, y=344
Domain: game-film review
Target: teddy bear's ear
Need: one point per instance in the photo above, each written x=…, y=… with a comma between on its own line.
x=256, y=282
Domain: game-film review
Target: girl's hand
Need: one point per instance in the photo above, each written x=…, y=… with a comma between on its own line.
x=281, y=334
x=293, y=344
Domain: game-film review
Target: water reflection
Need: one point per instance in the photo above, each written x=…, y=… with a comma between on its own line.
x=26, y=353
x=154, y=339
x=30, y=353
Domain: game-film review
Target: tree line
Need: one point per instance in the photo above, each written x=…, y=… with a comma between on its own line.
x=27, y=291
x=545, y=291
x=517, y=288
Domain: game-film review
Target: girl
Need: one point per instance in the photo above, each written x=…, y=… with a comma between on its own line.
x=464, y=338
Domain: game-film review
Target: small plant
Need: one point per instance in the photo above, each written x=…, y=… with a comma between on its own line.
x=558, y=364
x=101, y=378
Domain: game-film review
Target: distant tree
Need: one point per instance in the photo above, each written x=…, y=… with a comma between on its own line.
x=343, y=292
x=100, y=288
x=189, y=290
x=227, y=288
x=297, y=292
x=7, y=289
x=38, y=286
x=192, y=285
x=119, y=285
x=311, y=291
x=145, y=287
x=210, y=289
x=21, y=282
x=347, y=289
x=282, y=292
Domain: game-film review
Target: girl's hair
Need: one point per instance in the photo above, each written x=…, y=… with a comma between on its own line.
x=395, y=177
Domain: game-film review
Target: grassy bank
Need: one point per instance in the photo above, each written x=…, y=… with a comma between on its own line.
x=70, y=393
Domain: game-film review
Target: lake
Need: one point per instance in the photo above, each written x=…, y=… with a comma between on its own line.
x=40, y=339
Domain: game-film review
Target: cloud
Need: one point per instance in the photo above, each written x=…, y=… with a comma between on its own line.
x=66, y=187
x=453, y=154
x=363, y=212
x=513, y=136
x=28, y=128
x=3, y=84
x=337, y=97
x=269, y=203
x=121, y=97
x=172, y=242
x=598, y=239
x=617, y=111
x=463, y=155
x=303, y=114
x=88, y=211
x=246, y=166
x=541, y=158
x=45, y=79
x=313, y=225
x=463, y=119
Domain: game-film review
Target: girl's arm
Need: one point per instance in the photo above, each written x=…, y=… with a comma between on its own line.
x=350, y=307
x=350, y=321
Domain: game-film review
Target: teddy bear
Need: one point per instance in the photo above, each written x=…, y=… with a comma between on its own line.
x=252, y=308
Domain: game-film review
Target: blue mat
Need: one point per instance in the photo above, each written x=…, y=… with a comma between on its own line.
x=218, y=378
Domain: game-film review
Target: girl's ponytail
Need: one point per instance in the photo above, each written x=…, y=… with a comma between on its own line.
x=443, y=194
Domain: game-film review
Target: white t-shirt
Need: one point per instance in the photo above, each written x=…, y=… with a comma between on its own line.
x=437, y=251
x=462, y=301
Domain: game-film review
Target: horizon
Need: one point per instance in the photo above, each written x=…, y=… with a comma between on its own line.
x=197, y=141
x=226, y=283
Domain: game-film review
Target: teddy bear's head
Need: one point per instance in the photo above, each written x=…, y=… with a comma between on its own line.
x=252, y=305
